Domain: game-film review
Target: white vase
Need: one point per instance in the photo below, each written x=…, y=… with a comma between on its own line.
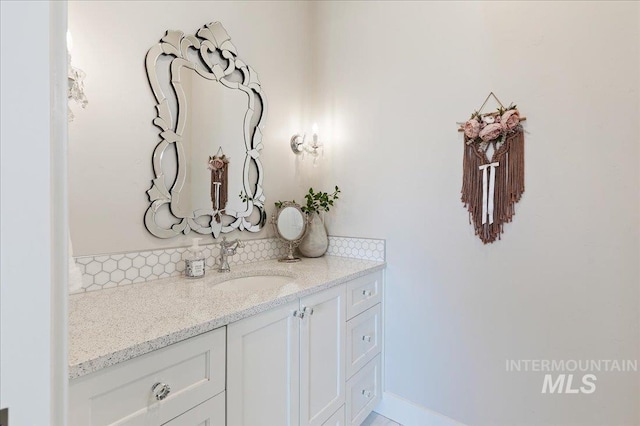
x=316, y=242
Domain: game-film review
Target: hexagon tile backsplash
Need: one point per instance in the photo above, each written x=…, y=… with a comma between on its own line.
x=105, y=271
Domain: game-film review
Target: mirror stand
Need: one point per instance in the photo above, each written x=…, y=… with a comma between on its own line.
x=290, y=224
x=290, y=257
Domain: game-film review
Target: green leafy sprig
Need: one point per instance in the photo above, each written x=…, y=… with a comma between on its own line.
x=502, y=110
x=320, y=201
x=316, y=201
x=279, y=204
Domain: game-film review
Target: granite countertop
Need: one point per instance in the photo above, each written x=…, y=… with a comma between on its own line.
x=110, y=326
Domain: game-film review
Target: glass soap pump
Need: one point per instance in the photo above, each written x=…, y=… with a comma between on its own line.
x=194, y=261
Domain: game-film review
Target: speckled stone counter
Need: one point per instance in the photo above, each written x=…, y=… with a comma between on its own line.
x=113, y=325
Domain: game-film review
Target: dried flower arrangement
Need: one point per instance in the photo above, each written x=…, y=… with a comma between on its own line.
x=492, y=126
x=492, y=186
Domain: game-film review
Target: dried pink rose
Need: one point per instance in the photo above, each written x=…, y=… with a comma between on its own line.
x=216, y=164
x=472, y=128
x=491, y=132
x=510, y=119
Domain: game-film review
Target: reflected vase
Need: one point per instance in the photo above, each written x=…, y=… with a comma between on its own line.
x=316, y=241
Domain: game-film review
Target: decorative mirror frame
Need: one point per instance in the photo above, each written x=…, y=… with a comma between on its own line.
x=291, y=243
x=209, y=39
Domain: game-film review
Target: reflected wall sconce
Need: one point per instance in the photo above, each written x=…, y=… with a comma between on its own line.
x=75, y=90
x=301, y=146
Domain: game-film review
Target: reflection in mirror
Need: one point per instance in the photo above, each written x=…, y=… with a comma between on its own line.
x=290, y=224
x=215, y=122
x=208, y=176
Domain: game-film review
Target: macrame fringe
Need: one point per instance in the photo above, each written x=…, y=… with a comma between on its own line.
x=509, y=184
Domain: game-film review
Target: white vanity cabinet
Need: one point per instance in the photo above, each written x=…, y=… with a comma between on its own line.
x=287, y=366
x=312, y=362
x=182, y=384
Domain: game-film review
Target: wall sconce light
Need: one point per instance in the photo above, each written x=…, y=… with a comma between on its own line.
x=76, y=81
x=300, y=145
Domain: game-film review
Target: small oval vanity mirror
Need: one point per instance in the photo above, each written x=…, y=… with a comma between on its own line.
x=290, y=224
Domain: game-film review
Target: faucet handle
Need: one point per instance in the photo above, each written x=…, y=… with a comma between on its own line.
x=226, y=244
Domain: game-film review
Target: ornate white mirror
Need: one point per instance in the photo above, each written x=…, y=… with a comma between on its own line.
x=210, y=111
x=290, y=224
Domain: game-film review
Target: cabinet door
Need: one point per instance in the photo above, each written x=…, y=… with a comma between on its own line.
x=263, y=369
x=322, y=355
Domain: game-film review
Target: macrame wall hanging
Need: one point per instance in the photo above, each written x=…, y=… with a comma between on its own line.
x=493, y=168
x=219, y=166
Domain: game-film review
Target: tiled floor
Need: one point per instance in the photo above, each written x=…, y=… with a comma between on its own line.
x=376, y=419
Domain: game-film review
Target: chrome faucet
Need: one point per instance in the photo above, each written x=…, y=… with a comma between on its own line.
x=227, y=249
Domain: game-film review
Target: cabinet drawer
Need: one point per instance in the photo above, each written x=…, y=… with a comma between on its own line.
x=364, y=392
x=363, y=293
x=194, y=370
x=364, y=338
x=209, y=413
x=337, y=419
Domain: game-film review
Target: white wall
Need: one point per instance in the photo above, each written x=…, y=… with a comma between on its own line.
x=563, y=283
x=389, y=80
x=111, y=141
x=33, y=220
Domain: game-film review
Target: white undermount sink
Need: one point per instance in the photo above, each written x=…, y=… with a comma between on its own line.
x=255, y=282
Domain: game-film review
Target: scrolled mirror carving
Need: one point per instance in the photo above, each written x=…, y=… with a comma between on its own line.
x=210, y=111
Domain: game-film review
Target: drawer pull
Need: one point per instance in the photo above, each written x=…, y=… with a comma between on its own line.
x=160, y=390
x=366, y=338
x=366, y=293
x=298, y=314
x=308, y=310
x=366, y=393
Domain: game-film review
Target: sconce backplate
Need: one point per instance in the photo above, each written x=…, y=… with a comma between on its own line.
x=297, y=143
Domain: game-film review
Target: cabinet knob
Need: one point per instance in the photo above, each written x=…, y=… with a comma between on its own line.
x=366, y=393
x=366, y=293
x=366, y=338
x=160, y=390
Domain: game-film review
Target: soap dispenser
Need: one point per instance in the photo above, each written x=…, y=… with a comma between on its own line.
x=194, y=261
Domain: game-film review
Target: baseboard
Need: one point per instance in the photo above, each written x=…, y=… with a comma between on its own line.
x=408, y=413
